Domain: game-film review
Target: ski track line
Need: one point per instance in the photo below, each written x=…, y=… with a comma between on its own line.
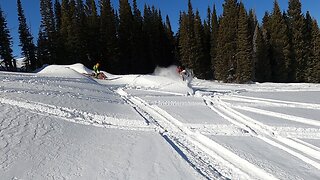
x=273, y=102
x=303, y=120
x=265, y=133
x=293, y=132
x=218, y=129
x=213, y=149
x=80, y=117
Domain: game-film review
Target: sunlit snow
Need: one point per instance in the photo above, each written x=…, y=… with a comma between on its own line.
x=61, y=123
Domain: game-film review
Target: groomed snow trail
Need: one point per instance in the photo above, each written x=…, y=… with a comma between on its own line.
x=219, y=155
x=266, y=134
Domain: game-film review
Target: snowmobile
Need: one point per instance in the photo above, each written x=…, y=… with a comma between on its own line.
x=100, y=75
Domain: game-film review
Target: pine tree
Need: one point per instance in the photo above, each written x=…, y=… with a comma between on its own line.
x=42, y=49
x=5, y=45
x=244, y=65
x=314, y=63
x=125, y=36
x=108, y=38
x=48, y=32
x=92, y=33
x=308, y=31
x=252, y=22
x=296, y=24
x=225, y=62
x=187, y=38
x=26, y=40
x=57, y=15
x=138, y=41
x=65, y=31
x=214, y=37
x=207, y=45
x=170, y=43
x=280, y=45
x=61, y=54
x=260, y=57
x=200, y=63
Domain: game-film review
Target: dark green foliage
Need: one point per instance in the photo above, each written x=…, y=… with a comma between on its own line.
x=314, y=63
x=125, y=36
x=200, y=62
x=280, y=45
x=194, y=47
x=26, y=41
x=244, y=65
x=48, y=42
x=207, y=45
x=108, y=39
x=5, y=45
x=159, y=39
x=262, y=69
x=170, y=43
x=214, y=38
x=225, y=61
x=187, y=39
x=91, y=31
x=296, y=24
x=138, y=40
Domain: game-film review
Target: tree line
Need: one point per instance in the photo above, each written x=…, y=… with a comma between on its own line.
x=231, y=47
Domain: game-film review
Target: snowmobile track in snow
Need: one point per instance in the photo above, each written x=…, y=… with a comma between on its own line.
x=194, y=143
x=271, y=102
x=80, y=117
x=264, y=132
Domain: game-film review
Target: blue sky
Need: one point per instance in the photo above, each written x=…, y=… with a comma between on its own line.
x=168, y=7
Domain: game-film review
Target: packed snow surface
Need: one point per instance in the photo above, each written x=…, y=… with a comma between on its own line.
x=61, y=123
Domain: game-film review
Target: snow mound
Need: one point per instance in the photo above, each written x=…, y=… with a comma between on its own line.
x=70, y=71
x=163, y=79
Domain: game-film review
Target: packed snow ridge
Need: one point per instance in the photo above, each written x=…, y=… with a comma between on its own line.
x=60, y=123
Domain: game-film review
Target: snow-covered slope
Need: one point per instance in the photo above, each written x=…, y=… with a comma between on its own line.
x=62, y=124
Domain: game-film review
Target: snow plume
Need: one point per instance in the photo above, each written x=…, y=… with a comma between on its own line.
x=170, y=72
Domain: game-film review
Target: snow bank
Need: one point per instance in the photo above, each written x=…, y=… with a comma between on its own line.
x=70, y=71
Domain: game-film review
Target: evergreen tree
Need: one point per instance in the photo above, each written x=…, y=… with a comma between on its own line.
x=252, y=22
x=244, y=67
x=296, y=24
x=207, y=44
x=280, y=45
x=5, y=45
x=48, y=33
x=308, y=35
x=92, y=33
x=26, y=40
x=125, y=36
x=61, y=54
x=138, y=56
x=42, y=49
x=214, y=37
x=57, y=15
x=201, y=65
x=65, y=31
x=170, y=43
x=108, y=37
x=225, y=61
x=260, y=57
x=314, y=63
x=187, y=38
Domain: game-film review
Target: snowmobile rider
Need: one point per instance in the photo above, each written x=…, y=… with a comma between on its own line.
x=96, y=69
